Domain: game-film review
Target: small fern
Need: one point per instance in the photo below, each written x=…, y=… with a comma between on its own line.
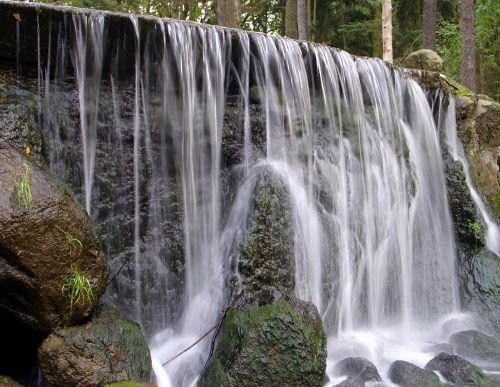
x=23, y=188
x=77, y=288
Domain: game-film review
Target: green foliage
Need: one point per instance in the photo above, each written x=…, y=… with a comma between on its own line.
x=77, y=288
x=23, y=188
x=448, y=46
x=487, y=24
x=74, y=245
x=475, y=229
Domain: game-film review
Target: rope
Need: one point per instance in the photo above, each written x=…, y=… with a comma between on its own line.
x=217, y=325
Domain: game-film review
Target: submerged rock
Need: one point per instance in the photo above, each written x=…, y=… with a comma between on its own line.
x=47, y=240
x=109, y=348
x=266, y=258
x=441, y=347
x=456, y=369
x=268, y=339
x=476, y=345
x=358, y=368
x=424, y=59
x=409, y=375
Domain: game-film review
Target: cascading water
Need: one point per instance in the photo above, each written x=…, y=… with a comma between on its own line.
x=353, y=142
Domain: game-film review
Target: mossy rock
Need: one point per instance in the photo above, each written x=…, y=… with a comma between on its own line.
x=423, y=60
x=457, y=370
x=268, y=339
x=266, y=257
x=108, y=349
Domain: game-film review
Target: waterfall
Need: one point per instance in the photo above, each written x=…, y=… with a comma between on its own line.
x=449, y=128
x=177, y=123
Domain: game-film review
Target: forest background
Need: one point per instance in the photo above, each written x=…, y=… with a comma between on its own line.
x=465, y=33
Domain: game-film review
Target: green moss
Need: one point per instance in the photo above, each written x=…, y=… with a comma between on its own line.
x=23, y=188
x=475, y=228
x=272, y=344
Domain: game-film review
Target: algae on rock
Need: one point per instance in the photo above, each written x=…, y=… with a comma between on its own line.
x=266, y=258
x=268, y=339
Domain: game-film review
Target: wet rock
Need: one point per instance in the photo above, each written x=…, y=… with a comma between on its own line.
x=441, y=347
x=478, y=272
x=423, y=60
x=5, y=381
x=18, y=114
x=476, y=345
x=463, y=209
x=270, y=339
x=46, y=240
x=358, y=368
x=107, y=349
x=409, y=375
x=456, y=369
x=266, y=258
x=351, y=382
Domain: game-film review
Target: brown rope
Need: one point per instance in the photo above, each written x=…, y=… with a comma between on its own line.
x=217, y=325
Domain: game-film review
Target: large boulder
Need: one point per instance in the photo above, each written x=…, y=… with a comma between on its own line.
x=107, y=349
x=424, y=59
x=266, y=258
x=358, y=368
x=268, y=339
x=52, y=270
x=477, y=346
x=409, y=375
x=457, y=370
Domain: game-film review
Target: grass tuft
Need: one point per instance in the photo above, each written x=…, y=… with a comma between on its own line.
x=23, y=188
x=74, y=244
x=77, y=288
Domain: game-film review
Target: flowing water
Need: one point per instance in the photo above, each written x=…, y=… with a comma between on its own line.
x=178, y=121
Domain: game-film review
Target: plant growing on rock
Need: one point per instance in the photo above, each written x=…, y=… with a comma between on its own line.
x=23, y=188
x=77, y=287
x=476, y=230
x=74, y=244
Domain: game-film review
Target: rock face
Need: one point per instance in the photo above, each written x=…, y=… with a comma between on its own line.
x=269, y=339
x=476, y=345
x=107, y=349
x=18, y=107
x=266, y=258
x=478, y=118
x=423, y=60
x=46, y=237
x=456, y=369
x=408, y=375
x=358, y=368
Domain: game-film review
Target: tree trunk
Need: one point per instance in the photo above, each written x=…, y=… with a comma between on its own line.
x=291, y=30
x=302, y=23
x=228, y=13
x=387, y=30
x=467, y=73
x=429, y=21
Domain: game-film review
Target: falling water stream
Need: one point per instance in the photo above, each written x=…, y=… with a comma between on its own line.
x=353, y=142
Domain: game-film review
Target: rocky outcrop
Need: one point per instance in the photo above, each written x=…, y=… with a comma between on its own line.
x=423, y=60
x=457, y=370
x=478, y=118
x=476, y=346
x=268, y=339
x=358, y=368
x=47, y=245
x=408, y=375
x=107, y=349
x=266, y=258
